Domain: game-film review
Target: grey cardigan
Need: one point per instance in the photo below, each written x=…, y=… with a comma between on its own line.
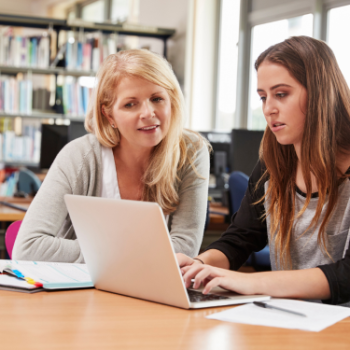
x=47, y=234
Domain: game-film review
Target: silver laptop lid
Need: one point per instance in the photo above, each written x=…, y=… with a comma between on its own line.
x=127, y=249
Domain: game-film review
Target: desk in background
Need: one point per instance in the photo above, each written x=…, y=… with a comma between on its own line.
x=217, y=225
x=92, y=319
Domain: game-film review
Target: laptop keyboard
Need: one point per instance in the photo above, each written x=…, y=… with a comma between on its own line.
x=199, y=296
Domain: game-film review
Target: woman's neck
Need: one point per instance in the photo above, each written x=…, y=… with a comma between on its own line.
x=343, y=162
x=131, y=158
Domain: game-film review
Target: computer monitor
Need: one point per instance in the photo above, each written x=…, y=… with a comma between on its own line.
x=55, y=137
x=245, y=149
x=75, y=130
x=220, y=157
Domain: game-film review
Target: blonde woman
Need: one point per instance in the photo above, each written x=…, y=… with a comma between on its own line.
x=298, y=197
x=137, y=149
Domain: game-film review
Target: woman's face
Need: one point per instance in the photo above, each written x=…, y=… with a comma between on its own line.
x=284, y=102
x=141, y=112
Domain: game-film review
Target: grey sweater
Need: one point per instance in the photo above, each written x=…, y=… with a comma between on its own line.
x=47, y=233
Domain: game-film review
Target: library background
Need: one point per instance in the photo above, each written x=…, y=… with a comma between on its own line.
x=50, y=51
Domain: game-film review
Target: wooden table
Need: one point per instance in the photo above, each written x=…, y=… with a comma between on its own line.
x=10, y=214
x=92, y=319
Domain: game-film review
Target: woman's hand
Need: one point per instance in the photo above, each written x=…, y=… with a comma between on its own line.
x=211, y=277
x=185, y=260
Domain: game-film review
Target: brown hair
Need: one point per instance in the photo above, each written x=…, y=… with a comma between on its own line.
x=326, y=135
x=178, y=148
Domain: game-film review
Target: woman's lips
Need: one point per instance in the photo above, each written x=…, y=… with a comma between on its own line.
x=149, y=129
x=277, y=127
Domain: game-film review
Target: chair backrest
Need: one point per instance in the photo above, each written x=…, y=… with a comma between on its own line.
x=238, y=183
x=28, y=182
x=10, y=237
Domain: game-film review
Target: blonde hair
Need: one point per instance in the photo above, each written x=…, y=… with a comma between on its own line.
x=175, y=151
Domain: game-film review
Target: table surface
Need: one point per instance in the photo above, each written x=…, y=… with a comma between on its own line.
x=92, y=319
x=10, y=214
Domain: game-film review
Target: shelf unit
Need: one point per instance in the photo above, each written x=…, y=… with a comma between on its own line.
x=58, y=25
x=56, y=71
x=43, y=115
x=106, y=28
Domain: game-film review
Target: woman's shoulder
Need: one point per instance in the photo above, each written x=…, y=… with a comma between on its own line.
x=83, y=145
x=196, y=144
x=191, y=136
x=80, y=149
x=196, y=158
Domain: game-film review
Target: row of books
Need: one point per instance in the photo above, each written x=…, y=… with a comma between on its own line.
x=22, y=51
x=15, y=95
x=20, y=148
x=88, y=53
x=18, y=96
x=75, y=97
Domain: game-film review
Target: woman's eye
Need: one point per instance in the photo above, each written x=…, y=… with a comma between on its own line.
x=263, y=98
x=129, y=105
x=157, y=99
x=281, y=95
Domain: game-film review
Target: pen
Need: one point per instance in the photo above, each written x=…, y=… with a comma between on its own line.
x=268, y=306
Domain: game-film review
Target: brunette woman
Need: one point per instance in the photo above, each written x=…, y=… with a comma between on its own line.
x=298, y=198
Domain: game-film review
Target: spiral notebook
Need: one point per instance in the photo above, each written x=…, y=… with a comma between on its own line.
x=45, y=275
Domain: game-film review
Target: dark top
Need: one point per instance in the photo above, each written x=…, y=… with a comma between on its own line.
x=248, y=233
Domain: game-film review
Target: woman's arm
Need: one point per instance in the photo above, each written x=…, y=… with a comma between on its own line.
x=187, y=222
x=247, y=232
x=337, y=275
x=210, y=257
x=46, y=233
x=301, y=284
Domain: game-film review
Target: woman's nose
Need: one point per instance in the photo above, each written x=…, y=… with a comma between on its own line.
x=269, y=107
x=147, y=110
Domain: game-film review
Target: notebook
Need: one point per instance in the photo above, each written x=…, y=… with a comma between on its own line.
x=127, y=248
x=46, y=275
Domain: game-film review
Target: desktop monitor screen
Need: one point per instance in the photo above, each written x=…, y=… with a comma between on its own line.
x=55, y=137
x=245, y=149
x=75, y=130
x=220, y=157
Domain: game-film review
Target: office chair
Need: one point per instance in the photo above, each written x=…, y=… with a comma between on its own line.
x=238, y=184
x=10, y=236
x=28, y=182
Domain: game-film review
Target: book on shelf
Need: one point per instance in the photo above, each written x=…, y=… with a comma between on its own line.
x=24, y=51
x=18, y=96
x=75, y=96
x=20, y=148
x=15, y=95
x=36, y=276
x=87, y=51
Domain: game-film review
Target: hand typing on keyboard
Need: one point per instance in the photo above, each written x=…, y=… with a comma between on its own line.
x=211, y=277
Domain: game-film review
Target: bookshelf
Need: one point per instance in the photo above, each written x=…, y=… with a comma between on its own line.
x=49, y=70
x=27, y=56
x=106, y=28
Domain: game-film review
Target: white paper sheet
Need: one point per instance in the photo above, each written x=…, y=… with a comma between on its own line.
x=319, y=316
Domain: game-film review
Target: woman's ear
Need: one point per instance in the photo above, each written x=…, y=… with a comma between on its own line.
x=109, y=118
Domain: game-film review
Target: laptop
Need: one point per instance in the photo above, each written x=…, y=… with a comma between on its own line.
x=127, y=248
